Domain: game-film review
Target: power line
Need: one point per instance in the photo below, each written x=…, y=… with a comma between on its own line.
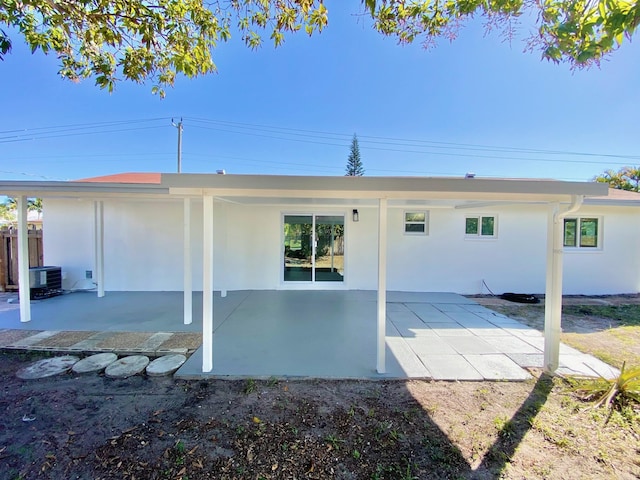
x=363, y=145
x=80, y=133
x=403, y=141
x=84, y=125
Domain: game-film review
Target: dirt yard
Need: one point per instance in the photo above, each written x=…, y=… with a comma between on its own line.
x=92, y=427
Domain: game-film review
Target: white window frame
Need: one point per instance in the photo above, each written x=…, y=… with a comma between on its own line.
x=425, y=223
x=479, y=236
x=578, y=247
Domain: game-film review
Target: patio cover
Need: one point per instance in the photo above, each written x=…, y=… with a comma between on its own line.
x=562, y=198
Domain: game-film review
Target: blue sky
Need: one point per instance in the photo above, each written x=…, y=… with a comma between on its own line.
x=477, y=104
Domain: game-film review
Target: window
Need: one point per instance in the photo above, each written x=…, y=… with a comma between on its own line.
x=480, y=226
x=415, y=223
x=581, y=232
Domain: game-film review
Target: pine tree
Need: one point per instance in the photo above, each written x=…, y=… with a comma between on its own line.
x=354, y=164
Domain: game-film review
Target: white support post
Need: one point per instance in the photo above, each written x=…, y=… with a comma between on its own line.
x=553, y=293
x=382, y=284
x=23, y=260
x=222, y=266
x=98, y=207
x=207, y=283
x=188, y=280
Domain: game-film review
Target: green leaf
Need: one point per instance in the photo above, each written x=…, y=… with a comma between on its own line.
x=619, y=38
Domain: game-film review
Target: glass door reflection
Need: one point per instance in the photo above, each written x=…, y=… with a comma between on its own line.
x=298, y=248
x=329, y=255
x=313, y=248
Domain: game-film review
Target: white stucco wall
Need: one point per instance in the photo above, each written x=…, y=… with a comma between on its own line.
x=445, y=260
x=143, y=248
x=616, y=267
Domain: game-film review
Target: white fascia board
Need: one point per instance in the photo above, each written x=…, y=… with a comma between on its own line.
x=279, y=186
x=606, y=202
x=375, y=194
x=371, y=187
x=78, y=189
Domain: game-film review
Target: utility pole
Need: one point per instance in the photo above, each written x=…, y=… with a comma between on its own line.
x=179, y=127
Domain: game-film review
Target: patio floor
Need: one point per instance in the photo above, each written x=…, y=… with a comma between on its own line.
x=321, y=334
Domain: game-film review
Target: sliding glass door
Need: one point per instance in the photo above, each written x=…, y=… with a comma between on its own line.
x=298, y=248
x=313, y=248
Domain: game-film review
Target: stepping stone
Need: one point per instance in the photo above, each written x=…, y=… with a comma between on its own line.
x=47, y=367
x=127, y=366
x=94, y=363
x=165, y=365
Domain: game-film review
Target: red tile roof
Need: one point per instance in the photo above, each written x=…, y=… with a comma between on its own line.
x=132, y=177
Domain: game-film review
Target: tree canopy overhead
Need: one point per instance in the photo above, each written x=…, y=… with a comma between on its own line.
x=155, y=40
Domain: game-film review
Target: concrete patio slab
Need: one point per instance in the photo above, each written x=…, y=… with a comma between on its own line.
x=429, y=346
x=450, y=367
x=414, y=331
x=405, y=317
x=497, y=318
x=440, y=298
x=322, y=334
x=428, y=313
x=475, y=308
x=497, y=367
x=397, y=307
x=582, y=364
x=450, y=330
x=535, y=360
x=470, y=345
x=510, y=344
x=438, y=320
x=489, y=332
x=410, y=364
x=451, y=307
x=524, y=332
x=473, y=321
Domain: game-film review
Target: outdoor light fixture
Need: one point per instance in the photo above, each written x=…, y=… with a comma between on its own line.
x=356, y=216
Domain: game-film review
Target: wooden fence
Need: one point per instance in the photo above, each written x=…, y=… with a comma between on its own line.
x=9, y=255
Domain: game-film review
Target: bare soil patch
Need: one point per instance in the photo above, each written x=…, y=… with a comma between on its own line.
x=89, y=426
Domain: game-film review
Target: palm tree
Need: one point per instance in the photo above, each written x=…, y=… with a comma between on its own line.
x=627, y=178
x=632, y=174
x=34, y=205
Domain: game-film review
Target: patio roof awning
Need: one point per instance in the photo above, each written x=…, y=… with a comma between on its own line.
x=254, y=188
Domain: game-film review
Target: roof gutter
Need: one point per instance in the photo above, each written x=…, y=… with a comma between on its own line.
x=576, y=203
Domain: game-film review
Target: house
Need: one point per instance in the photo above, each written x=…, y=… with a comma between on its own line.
x=186, y=232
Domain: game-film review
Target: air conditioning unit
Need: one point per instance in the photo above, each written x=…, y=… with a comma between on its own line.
x=45, y=282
